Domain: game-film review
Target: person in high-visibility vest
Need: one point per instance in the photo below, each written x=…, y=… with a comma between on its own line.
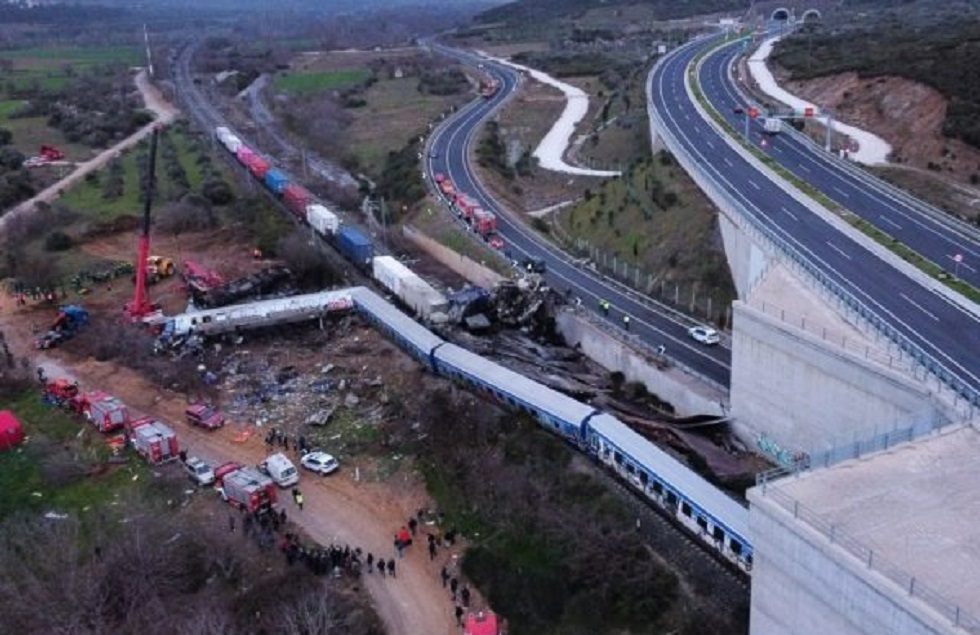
x=626, y=322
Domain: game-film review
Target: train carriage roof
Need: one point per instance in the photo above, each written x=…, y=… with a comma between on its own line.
x=411, y=330
x=527, y=390
x=692, y=486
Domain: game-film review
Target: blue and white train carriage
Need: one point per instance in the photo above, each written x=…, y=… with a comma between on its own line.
x=553, y=410
x=412, y=337
x=717, y=519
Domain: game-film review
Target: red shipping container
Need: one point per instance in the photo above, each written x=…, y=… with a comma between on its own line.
x=297, y=198
x=258, y=167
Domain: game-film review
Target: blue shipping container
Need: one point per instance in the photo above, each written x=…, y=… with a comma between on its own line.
x=276, y=181
x=355, y=246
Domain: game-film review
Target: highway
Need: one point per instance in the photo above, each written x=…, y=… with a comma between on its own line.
x=935, y=235
x=935, y=326
x=449, y=155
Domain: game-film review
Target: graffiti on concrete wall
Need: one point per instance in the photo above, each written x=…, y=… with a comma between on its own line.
x=798, y=460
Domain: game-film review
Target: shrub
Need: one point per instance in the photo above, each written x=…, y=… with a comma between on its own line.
x=58, y=241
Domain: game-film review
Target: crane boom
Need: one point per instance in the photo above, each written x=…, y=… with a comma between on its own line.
x=140, y=307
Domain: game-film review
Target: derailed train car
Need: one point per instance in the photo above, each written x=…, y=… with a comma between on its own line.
x=718, y=522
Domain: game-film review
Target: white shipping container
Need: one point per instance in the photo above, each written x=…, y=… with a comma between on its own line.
x=232, y=143
x=421, y=297
x=322, y=219
x=390, y=273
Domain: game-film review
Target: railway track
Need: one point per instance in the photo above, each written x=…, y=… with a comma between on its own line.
x=712, y=581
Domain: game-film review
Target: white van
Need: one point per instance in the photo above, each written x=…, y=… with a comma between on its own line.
x=280, y=469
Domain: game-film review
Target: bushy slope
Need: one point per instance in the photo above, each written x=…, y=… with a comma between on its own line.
x=523, y=11
x=940, y=51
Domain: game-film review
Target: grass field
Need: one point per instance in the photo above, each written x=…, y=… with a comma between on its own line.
x=654, y=219
x=48, y=67
x=33, y=477
x=31, y=132
x=318, y=82
x=9, y=106
x=87, y=198
x=395, y=112
x=94, y=55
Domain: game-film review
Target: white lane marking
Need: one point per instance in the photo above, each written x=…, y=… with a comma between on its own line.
x=710, y=145
x=754, y=184
x=804, y=168
x=889, y=221
x=841, y=192
x=918, y=306
x=729, y=162
x=961, y=264
x=790, y=214
x=838, y=249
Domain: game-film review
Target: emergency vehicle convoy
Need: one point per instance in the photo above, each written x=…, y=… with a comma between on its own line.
x=469, y=211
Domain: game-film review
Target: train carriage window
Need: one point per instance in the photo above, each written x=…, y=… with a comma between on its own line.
x=718, y=533
x=630, y=469
x=735, y=546
x=644, y=478
x=702, y=523
x=685, y=509
x=658, y=488
x=671, y=498
x=618, y=457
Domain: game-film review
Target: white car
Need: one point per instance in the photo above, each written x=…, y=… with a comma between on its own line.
x=199, y=471
x=319, y=462
x=704, y=334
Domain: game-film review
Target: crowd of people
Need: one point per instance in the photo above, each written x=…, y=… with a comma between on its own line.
x=264, y=525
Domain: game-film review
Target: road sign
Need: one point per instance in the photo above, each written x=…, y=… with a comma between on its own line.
x=958, y=258
x=808, y=111
x=753, y=113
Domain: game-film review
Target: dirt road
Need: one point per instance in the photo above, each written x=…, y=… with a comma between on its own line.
x=165, y=113
x=340, y=508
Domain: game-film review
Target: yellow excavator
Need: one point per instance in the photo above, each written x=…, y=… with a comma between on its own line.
x=158, y=268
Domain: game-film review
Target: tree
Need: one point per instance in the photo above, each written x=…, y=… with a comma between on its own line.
x=6, y=137
x=10, y=157
x=58, y=241
x=218, y=192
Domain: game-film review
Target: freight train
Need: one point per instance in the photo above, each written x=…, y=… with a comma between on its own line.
x=351, y=242
x=719, y=522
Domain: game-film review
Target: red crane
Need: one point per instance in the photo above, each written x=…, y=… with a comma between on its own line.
x=140, y=307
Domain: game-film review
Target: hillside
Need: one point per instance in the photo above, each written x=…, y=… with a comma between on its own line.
x=525, y=11
x=921, y=42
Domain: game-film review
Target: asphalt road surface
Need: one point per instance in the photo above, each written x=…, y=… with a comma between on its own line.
x=650, y=324
x=931, y=323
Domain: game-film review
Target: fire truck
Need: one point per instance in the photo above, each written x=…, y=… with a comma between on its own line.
x=246, y=487
x=154, y=440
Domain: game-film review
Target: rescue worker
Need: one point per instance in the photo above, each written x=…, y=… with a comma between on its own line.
x=257, y=253
x=626, y=322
